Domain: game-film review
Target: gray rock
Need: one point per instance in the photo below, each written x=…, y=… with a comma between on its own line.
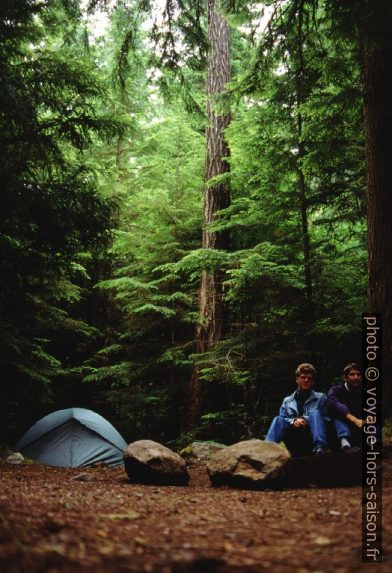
x=249, y=464
x=201, y=451
x=148, y=462
x=15, y=458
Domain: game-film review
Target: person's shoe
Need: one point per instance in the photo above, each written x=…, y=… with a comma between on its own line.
x=344, y=444
x=319, y=451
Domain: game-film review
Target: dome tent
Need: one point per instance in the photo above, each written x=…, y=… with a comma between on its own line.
x=71, y=438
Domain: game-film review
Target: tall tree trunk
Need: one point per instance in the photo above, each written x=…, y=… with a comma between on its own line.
x=216, y=197
x=306, y=247
x=377, y=79
x=299, y=89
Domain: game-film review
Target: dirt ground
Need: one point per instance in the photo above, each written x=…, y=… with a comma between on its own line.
x=51, y=522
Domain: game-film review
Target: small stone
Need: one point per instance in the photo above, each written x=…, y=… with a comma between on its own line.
x=15, y=458
x=129, y=515
x=229, y=535
x=82, y=477
x=321, y=540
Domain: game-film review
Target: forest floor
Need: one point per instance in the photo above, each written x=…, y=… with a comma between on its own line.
x=51, y=522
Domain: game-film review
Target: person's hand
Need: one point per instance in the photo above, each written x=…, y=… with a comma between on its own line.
x=300, y=423
x=354, y=420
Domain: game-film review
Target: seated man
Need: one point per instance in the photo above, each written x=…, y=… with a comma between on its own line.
x=344, y=406
x=301, y=424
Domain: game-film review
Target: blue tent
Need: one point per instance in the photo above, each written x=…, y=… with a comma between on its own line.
x=72, y=438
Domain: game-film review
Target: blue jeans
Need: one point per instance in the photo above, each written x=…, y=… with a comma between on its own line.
x=282, y=431
x=352, y=433
x=342, y=428
x=348, y=431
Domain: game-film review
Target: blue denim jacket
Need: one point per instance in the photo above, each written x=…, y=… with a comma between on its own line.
x=289, y=408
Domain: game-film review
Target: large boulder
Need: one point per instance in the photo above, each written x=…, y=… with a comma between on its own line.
x=249, y=464
x=201, y=451
x=148, y=462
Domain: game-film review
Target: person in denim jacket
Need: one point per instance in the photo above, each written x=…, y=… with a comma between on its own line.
x=301, y=421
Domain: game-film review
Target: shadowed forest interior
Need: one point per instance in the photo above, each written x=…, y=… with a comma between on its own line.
x=195, y=199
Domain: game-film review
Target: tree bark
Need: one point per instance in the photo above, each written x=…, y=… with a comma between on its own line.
x=306, y=247
x=377, y=82
x=299, y=89
x=216, y=197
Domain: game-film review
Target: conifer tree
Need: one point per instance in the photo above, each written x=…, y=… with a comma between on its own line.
x=216, y=197
x=375, y=31
x=368, y=25
x=50, y=207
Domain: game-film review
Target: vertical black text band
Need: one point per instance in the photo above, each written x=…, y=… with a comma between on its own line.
x=371, y=439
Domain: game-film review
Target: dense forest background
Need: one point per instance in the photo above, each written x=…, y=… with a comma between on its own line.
x=119, y=291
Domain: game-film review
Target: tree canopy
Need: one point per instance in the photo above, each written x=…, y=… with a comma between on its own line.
x=104, y=239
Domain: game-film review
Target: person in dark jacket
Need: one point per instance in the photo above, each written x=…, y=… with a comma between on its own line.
x=301, y=422
x=344, y=406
